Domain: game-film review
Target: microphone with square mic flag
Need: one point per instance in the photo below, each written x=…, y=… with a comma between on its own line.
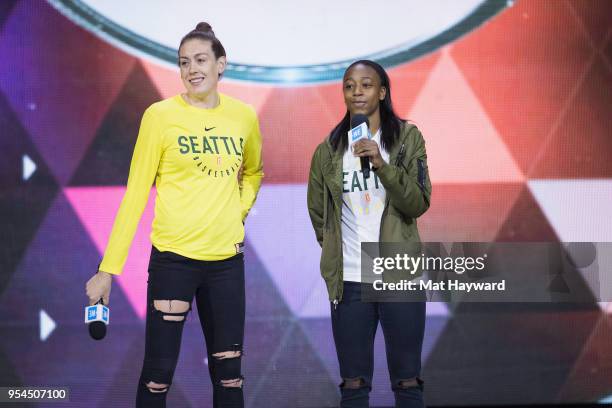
x=97, y=317
x=360, y=128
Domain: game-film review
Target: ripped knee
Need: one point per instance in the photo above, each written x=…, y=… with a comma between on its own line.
x=157, y=374
x=172, y=310
x=232, y=383
x=227, y=367
x=157, y=388
x=227, y=354
x=353, y=383
x=409, y=383
x=235, y=351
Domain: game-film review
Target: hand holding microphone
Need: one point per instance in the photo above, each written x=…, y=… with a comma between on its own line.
x=369, y=149
x=99, y=287
x=362, y=146
x=97, y=315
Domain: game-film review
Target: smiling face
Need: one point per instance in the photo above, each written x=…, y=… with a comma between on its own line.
x=200, y=69
x=363, y=91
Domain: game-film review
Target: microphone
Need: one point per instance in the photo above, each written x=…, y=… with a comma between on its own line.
x=97, y=317
x=360, y=129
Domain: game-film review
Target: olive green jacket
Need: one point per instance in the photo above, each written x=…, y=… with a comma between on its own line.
x=408, y=191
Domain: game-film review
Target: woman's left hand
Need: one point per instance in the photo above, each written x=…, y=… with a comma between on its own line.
x=369, y=148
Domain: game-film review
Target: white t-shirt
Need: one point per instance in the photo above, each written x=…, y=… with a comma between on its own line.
x=363, y=202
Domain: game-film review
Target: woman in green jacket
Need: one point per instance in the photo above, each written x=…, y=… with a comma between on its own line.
x=347, y=208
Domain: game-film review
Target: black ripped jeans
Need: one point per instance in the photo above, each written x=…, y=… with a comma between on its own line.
x=218, y=287
x=354, y=325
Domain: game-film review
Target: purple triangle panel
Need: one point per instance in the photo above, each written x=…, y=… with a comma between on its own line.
x=53, y=272
x=27, y=188
x=59, y=79
x=262, y=296
x=294, y=362
x=119, y=388
x=5, y=10
x=8, y=373
x=523, y=358
x=51, y=279
x=69, y=358
x=319, y=332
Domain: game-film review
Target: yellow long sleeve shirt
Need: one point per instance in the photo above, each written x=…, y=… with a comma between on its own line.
x=194, y=156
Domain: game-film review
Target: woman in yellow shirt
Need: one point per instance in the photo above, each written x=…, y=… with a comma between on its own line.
x=192, y=146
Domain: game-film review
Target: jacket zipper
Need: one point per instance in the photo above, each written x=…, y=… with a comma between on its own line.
x=400, y=155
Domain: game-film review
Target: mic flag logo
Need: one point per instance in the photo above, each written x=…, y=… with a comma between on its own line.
x=358, y=133
x=97, y=313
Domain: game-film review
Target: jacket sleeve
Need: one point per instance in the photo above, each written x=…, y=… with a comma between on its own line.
x=315, y=194
x=252, y=171
x=143, y=168
x=407, y=183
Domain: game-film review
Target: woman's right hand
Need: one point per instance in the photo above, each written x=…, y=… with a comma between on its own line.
x=99, y=286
